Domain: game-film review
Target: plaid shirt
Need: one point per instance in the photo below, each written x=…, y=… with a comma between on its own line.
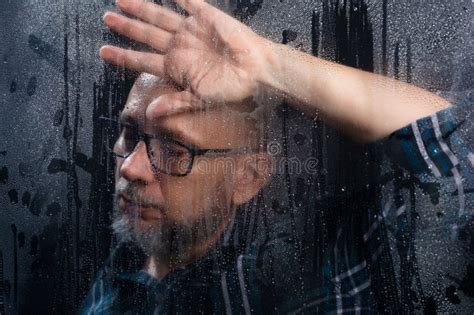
x=404, y=251
x=222, y=282
x=419, y=238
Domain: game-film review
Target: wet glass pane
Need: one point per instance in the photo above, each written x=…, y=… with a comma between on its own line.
x=236, y=156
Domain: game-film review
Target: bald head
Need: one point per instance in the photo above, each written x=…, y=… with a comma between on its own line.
x=217, y=127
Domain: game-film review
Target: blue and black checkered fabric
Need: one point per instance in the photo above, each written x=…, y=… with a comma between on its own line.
x=406, y=249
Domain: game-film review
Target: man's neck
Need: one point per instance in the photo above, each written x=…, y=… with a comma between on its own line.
x=156, y=269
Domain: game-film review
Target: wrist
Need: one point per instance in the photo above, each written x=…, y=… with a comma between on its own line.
x=268, y=78
x=268, y=91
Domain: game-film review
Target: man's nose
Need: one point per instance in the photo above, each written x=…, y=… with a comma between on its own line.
x=136, y=167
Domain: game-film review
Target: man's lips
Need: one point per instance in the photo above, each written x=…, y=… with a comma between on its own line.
x=143, y=212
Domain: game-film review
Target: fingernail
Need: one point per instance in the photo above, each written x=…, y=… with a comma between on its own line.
x=109, y=18
x=105, y=52
x=106, y=16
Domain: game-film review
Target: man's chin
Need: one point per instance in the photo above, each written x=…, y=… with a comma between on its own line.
x=122, y=229
x=148, y=234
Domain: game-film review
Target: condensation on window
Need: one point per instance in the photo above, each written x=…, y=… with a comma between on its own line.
x=299, y=242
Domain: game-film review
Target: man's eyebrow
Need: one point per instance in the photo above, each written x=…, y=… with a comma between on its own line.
x=128, y=119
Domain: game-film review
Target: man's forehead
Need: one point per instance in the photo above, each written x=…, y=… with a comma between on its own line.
x=146, y=89
x=200, y=128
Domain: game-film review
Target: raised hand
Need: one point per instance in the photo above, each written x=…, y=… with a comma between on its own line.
x=209, y=54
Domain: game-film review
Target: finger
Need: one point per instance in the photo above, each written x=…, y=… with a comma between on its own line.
x=191, y=6
x=173, y=103
x=152, y=13
x=209, y=16
x=134, y=60
x=139, y=31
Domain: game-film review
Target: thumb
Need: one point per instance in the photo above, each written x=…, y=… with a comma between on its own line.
x=174, y=103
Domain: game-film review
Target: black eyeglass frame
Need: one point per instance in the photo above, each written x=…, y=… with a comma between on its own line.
x=146, y=138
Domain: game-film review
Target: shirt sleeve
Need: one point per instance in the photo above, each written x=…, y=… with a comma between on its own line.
x=420, y=229
x=439, y=151
x=437, y=145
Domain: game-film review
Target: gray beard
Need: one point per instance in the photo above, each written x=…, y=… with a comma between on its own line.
x=154, y=241
x=165, y=241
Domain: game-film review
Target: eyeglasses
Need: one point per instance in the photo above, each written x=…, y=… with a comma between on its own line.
x=166, y=155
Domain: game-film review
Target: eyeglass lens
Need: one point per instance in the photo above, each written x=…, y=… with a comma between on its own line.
x=165, y=155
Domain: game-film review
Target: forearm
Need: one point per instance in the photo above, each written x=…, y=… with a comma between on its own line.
x=363, y=105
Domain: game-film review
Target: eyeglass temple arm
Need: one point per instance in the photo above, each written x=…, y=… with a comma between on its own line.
x=225, y=151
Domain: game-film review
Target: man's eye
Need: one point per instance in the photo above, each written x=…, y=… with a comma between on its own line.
x=176, y=150
x=172, y=149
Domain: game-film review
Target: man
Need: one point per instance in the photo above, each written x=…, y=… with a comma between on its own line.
x=177, y=192
x=217, y=60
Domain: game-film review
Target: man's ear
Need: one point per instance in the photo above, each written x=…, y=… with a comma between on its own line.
x=252, y=173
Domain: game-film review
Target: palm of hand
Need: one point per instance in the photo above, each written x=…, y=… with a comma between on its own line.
x=209, y=53
x=214, y=59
